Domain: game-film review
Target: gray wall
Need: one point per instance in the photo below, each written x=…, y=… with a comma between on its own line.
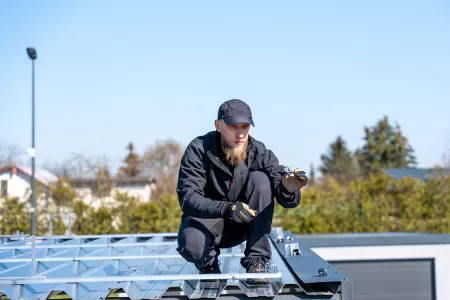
x=390, y=279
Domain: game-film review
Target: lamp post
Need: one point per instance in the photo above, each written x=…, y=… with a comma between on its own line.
x=33, y=55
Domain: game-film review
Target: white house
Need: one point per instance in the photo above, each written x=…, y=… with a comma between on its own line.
x=15, y=181
x=139, y=187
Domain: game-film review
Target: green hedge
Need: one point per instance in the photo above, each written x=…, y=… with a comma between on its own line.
x=376, y=203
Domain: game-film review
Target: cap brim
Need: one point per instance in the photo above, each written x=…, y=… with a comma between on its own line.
x=236, y=120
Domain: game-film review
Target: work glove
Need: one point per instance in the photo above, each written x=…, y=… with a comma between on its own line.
x=240, y=212
x=293, y=181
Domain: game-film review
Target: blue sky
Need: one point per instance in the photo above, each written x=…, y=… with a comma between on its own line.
x=111, y=72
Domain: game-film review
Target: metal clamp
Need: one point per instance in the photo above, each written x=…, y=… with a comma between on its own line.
x=322, y=272
x=292, y=249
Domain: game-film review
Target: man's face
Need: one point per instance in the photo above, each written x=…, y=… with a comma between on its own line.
x=234, y=140
x=234, y=136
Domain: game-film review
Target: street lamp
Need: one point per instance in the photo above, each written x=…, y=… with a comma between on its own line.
x=32, y=54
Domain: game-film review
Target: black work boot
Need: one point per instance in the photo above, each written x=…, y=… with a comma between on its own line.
x=211, y=269
x=257, y=265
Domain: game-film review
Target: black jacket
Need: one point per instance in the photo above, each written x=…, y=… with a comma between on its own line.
x=206, y=184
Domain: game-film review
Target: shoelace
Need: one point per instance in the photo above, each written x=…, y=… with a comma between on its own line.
x=257, y=265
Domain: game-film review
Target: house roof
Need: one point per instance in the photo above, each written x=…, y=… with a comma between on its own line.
x=419, y=173
x=116, y=180
x=46, y=178
x=43, y=176
x=148, y=266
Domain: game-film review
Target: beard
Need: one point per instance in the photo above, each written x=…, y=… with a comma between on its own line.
x=234, y=156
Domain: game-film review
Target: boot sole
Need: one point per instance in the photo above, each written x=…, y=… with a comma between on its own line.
x=258, y=281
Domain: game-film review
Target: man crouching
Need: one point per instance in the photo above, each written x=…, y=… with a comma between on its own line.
x=226, y=185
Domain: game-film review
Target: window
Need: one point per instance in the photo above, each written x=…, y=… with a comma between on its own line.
x=3, y=188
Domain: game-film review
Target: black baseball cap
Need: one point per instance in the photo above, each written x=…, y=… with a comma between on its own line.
x=235, y=111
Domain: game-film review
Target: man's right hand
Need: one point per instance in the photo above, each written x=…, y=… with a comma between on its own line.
x=293, y=181
x=240, y=212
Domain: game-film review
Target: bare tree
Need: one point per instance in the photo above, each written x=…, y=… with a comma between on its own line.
x=89, y=171
x=162, y=161
x=79, y=165
x=58, y=169
x=11, y=155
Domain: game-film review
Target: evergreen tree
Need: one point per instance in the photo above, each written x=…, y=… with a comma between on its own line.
x=15, y=216
x=385, y=147
x=132, y=162
x=62, y=193
x=339, y=162
x=103, y=183
x=312, y=175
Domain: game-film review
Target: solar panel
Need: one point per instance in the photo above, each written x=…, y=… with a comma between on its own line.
x=147, y=266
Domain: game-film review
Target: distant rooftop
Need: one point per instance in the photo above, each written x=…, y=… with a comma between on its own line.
x=79, y=182
x=43, y=176
x=46, y=177
x=373, y=239
x=419, y=173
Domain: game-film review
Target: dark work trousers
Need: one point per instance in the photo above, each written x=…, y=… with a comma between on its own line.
x=200, y=240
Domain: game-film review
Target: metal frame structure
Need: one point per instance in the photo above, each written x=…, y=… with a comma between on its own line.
x=147, y=266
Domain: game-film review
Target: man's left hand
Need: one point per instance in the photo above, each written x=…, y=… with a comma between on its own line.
x=293, y=181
